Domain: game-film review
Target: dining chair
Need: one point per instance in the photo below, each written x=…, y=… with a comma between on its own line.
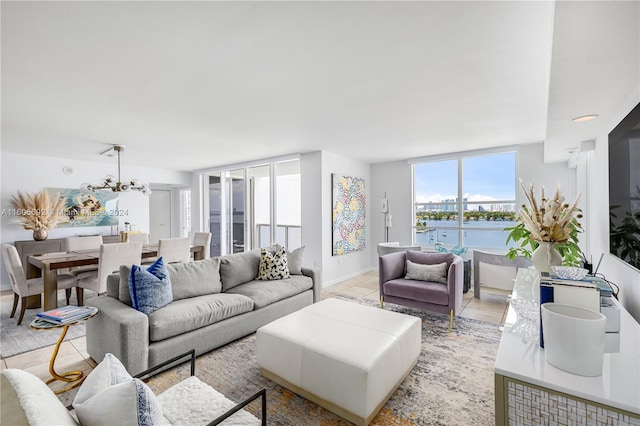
x=203, y=239
x=142, y=237
x=174, y=249
x=110, y=258
x=23, y=287
x=91, y=242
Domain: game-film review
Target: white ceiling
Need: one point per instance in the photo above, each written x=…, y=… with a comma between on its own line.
x=190, y=85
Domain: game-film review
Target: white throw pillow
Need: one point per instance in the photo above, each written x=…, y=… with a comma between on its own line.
x=130, y=403
x=109, y=372
x=39, y=403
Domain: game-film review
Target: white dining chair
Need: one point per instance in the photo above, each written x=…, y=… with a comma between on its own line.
x=90, y=242
x=174, y=249
x=23, y=287
x=141, y=237
x=203, y=239
x=111, y=257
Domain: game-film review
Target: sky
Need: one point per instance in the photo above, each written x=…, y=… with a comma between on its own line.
x=487, y=177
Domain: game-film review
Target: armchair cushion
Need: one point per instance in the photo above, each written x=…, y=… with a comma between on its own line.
x=131, y=403
x=430, y=258
x=109, y=372
x=436, y=273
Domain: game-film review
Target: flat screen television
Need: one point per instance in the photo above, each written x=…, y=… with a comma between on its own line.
x=624, y=189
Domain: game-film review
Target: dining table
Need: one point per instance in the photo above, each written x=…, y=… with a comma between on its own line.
x=47, y=266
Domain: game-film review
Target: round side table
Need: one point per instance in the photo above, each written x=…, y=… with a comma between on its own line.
x=76, y=376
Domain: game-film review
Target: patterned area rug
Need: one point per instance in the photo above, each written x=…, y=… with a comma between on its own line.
x=452, y=384
x=16, y=339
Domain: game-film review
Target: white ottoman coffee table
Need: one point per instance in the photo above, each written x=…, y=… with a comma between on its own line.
x=346, y=357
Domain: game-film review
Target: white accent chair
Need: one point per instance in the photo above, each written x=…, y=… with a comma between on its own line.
x=394, y=247
x=23, y=287
x=111, y=257
x=494, y=259
x=174, y=249
x=203, y=239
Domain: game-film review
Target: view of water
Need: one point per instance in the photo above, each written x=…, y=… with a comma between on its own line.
x=491, y=236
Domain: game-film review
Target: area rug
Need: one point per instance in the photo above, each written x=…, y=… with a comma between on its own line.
x=16, y=339
x=452, y=384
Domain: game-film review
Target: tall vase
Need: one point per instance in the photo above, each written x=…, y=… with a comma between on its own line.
x=40, y=234
x=545, y=256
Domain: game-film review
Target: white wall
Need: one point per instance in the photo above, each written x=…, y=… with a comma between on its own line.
x=596, y=168
x=316, y=169
x=31, y=173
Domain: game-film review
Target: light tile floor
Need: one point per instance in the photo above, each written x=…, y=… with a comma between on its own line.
x=491, y=307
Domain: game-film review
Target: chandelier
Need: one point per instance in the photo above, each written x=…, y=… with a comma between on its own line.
x=110, y=183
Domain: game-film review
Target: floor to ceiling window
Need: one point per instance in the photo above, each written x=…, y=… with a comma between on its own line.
x=465, y=200
x=255, y=206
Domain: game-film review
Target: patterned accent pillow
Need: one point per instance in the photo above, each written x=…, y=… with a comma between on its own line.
x=434, y=273
x=151, y=288
x=273, y=266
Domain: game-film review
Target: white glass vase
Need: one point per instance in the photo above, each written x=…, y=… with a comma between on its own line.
x=545, y=256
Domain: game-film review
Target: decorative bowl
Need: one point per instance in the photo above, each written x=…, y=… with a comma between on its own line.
x=569, y=272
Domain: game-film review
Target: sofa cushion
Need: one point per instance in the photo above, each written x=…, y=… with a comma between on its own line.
x=239, y=268
x=190, y=314
x=26, y=399
x=264, y=293
x=150, y=288
x=436, y=273
x=191, y=279
x=188, y=279
x=423, y=291
x=273, y=266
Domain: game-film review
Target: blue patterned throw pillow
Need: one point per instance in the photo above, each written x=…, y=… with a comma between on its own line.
x=151, y=288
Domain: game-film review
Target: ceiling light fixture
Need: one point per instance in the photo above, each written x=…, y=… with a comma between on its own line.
x=110, y=183
x=585, y=118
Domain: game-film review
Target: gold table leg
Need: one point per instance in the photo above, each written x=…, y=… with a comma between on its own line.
x=70, y=376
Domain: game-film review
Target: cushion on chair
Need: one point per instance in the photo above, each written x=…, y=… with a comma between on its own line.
x=423, y=291
x=430, y=258
x=436, y=273
x=109, y=372
x=131, y=403
x=32, y=402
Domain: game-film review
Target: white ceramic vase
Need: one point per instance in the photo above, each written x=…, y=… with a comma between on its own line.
x=545, y=256
x=573, y=338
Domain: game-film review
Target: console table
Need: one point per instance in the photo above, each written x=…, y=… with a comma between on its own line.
x=528, y=390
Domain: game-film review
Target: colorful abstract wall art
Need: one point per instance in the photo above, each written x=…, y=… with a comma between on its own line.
x=88, y=208
x=348, y=203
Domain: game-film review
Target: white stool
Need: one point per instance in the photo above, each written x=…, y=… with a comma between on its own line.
x=344, y=356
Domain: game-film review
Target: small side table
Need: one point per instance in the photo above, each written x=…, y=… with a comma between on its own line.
x=76, y=376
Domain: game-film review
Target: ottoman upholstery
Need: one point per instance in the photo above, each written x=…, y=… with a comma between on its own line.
x=344, y=356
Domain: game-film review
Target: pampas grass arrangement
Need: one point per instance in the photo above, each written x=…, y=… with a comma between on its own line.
x=550, y=220
x=39, y=211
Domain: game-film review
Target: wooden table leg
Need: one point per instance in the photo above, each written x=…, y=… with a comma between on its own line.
x=50, y=279
x=70, y=376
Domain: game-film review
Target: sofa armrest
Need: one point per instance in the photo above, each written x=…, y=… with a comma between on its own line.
x=316, y=277
x=390, y=267
x=120, y=330
x=455, y=283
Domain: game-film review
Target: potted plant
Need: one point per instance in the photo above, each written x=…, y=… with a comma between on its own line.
x=38, y=212
x=550, y=223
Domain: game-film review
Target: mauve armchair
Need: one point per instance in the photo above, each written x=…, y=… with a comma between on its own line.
x=425, y=295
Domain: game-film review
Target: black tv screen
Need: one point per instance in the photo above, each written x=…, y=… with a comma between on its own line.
x=624, y=189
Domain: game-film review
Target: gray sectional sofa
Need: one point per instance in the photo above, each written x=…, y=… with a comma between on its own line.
x=215, y=301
